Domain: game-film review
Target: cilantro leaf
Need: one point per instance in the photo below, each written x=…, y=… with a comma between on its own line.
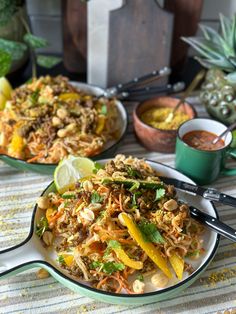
x=35, y=41
x=61, y=260
x=111, y=267
x=42, y=226
x=113, y=244
x=95, y=264
x=34, y=96
x=47, y=61
x=160, y=193
x=96, y=198
x=140, y=277
x=104, y=109
x=108, y=268
x=97, y=166
x=194, y=253
x=5, y=62
x=150, y=233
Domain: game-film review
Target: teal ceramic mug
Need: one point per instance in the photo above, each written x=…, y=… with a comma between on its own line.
x=203, y=166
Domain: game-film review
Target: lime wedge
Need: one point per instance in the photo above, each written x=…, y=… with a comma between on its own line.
x=70, y=170
x=5, y=91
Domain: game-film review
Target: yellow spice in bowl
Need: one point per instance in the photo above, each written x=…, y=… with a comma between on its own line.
x=155, y=117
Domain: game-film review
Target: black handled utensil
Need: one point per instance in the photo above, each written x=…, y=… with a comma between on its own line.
x=115, y=90
x=208, y=193
x=146, y=91
x=213, y=223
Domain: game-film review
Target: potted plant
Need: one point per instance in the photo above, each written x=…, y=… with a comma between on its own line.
x=15, y=48
x=11, y=28
x=217, y=52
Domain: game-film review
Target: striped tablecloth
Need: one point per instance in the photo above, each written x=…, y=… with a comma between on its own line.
x=214, y=292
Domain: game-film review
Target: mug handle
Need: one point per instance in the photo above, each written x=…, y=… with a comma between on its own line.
x=231, y=152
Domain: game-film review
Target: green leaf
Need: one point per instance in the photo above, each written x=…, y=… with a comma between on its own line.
x=42, y=226
x=140, y=277
x=194, y=253
x=111, y=267
x=225, y=26
x=233, y=144
x=108, y=267
x=222, y=63
x=97, y=167
x=7, y=9
x=150, y=233
x=231, y=78
x=232, y=60
x=210, y=34
x=5, y=63
x=104, y=109
x=34, y=97
x=35, y=41
x=96, y=198
x=160, y=193
x=14, y=48
x=113, y=244
x=205, y=47
x=61, y=260
x=47, y=61
x=95, y=264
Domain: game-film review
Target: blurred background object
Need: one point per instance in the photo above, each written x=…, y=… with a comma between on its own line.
x=11, y=27
x=63, y=24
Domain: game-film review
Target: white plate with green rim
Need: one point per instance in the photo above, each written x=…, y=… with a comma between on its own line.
x=31, y=253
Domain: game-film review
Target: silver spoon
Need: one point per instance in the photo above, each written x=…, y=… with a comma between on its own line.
x=231, y=127
x=187, y=92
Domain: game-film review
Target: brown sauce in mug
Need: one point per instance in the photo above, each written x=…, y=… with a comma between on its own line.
x=202, y=140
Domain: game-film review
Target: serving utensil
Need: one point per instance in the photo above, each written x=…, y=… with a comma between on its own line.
x=148, y=90
x=115, y=90
x=187, y=92
x=213, y=223
x=229, y=128
x=207, y=193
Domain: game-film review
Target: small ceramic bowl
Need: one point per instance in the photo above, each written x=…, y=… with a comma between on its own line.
x=154, y=139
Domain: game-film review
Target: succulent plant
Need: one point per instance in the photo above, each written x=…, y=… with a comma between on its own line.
x=217, y=49
x=217, y=52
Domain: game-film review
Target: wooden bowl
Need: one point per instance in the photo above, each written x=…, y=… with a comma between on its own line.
x=154, y=139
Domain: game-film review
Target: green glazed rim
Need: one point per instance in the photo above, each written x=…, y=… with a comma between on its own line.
x=200, y=150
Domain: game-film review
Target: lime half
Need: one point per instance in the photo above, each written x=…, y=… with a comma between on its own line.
x=70, y=170
x=5, y=91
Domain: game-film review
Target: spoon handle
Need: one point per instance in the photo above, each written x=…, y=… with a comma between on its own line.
x=230, y=128
x=213, y=223
x=190, y=88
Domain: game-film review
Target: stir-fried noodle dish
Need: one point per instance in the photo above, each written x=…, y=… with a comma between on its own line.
x=49, y=118
x=120, y=226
